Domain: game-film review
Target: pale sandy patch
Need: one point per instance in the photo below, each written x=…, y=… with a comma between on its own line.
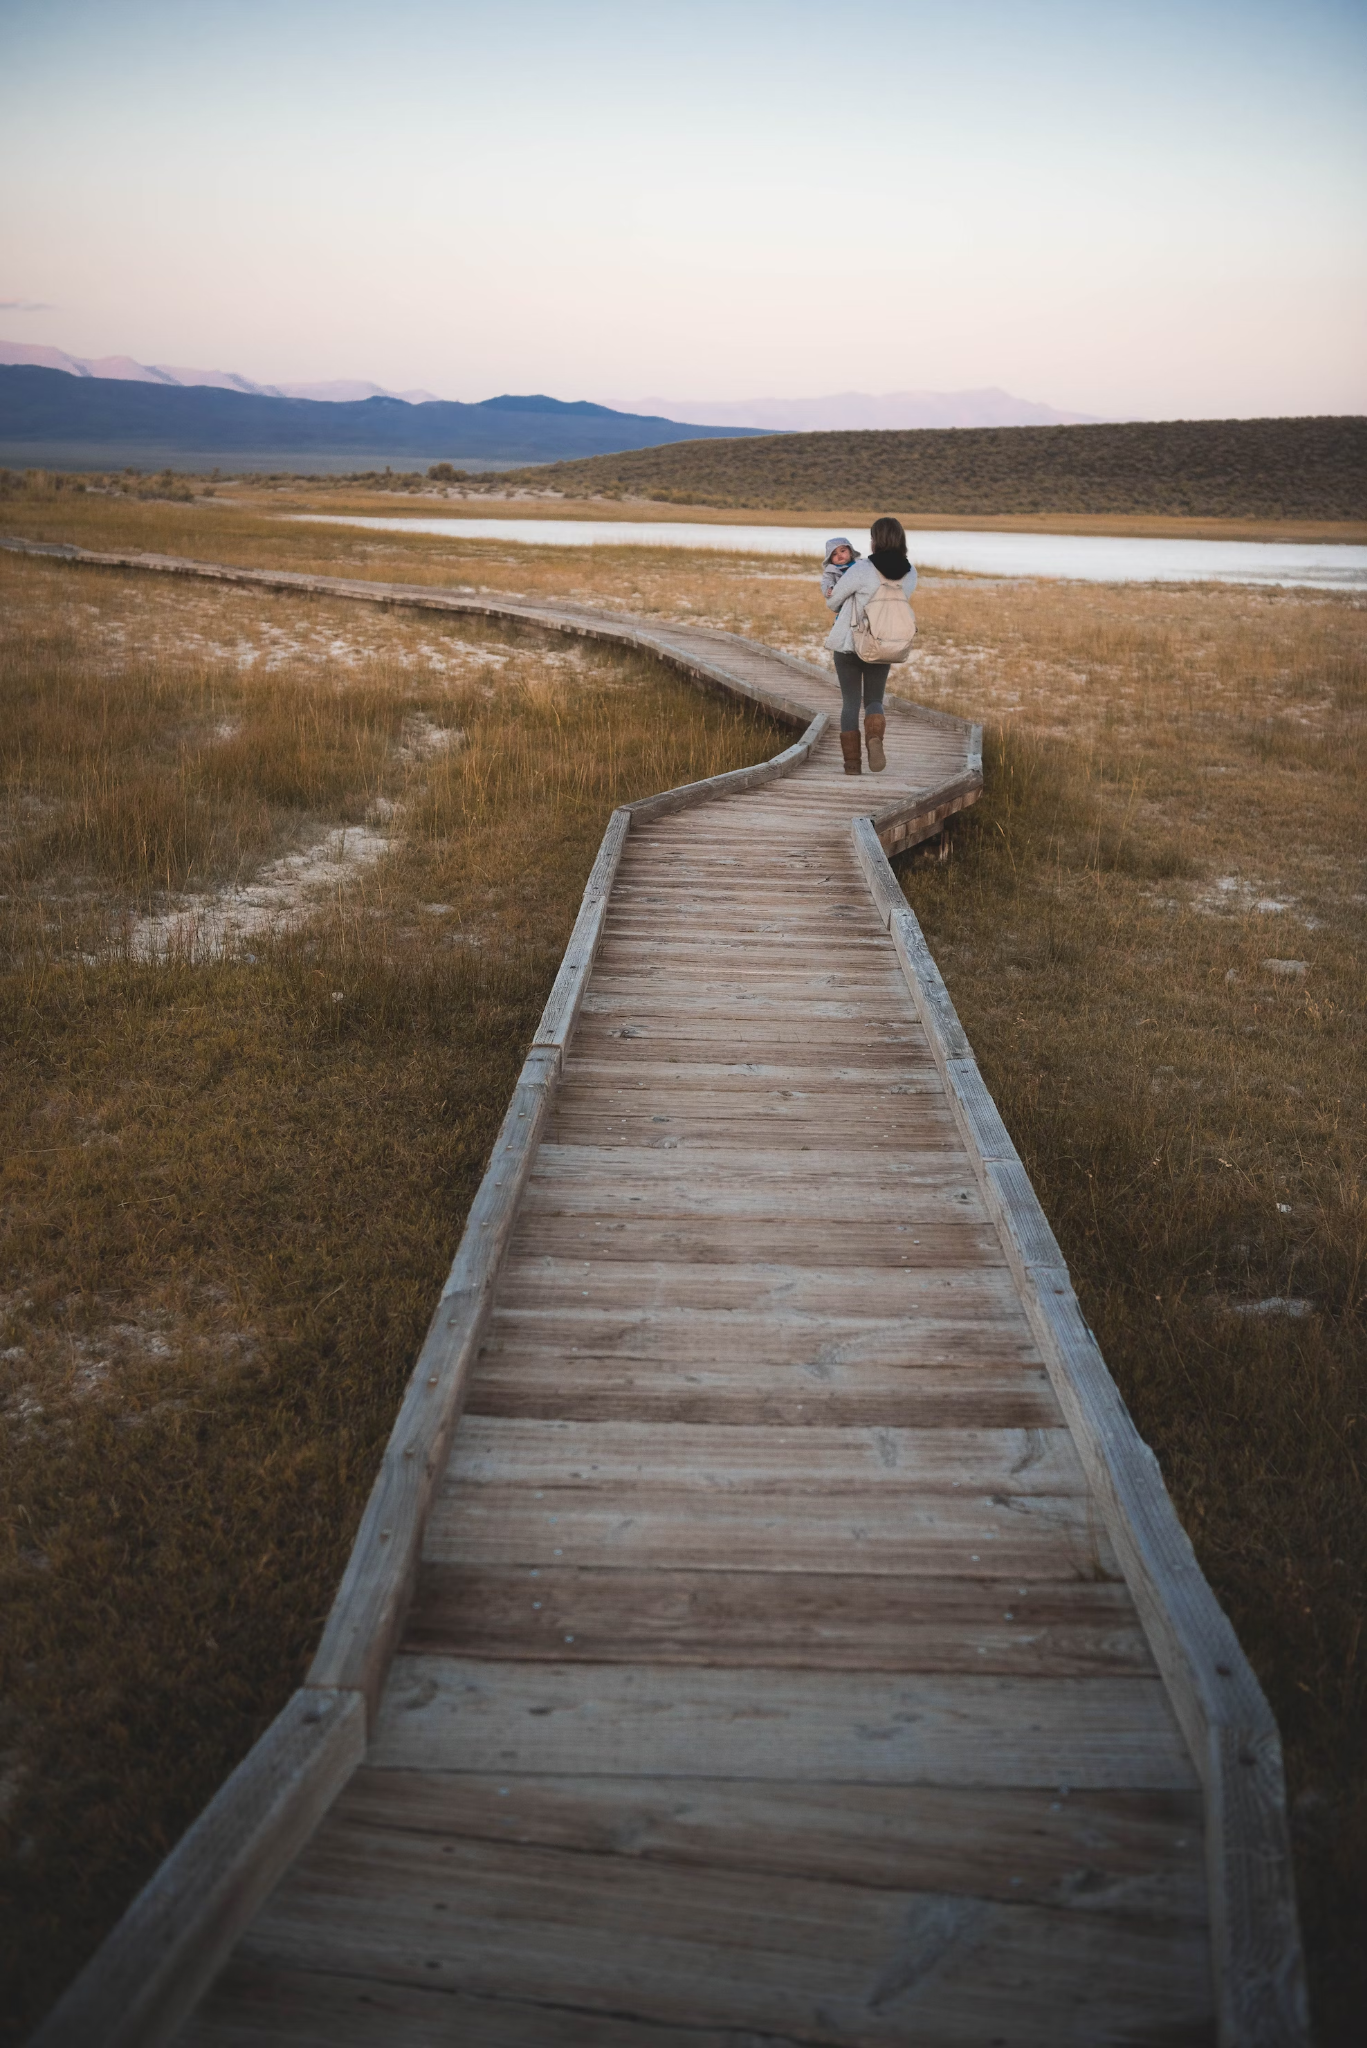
x=283, y=895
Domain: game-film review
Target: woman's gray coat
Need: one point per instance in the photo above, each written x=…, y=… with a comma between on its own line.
x=860, y=580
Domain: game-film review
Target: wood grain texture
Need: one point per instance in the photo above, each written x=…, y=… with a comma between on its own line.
x=1000, y=1463
x=1120, y=1854
x=611, y=1720
x=802, y=1958
x=907, y=1532
x=818, y=1621
x=621, y=1376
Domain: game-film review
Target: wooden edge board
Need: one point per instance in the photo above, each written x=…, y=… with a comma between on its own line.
x=907, y=825
x=567, y=990
x=149, y=1973
x=361, y=1629
x=705, y=671
x=736, y=780
x=154, y=1967
x=1259, y=1974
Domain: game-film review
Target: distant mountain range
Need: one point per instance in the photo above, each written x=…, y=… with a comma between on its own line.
x=841, y=410
x=852, y=410
x=124, y=370
x=58, y=419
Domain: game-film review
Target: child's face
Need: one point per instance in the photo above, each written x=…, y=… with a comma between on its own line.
x=841, y=556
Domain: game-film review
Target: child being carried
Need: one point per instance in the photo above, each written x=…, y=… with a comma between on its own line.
x=839, y=554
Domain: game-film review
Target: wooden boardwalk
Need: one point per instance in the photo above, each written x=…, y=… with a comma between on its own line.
x=798, y=1653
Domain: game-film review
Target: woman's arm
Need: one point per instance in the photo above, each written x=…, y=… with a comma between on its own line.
x=850, y=583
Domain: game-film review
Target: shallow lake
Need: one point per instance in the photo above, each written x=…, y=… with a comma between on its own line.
x=1089, y=558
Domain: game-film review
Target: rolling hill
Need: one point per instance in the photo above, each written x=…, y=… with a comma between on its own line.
x=1213, y=469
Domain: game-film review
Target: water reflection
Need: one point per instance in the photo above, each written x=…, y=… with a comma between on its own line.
x=1087, y=558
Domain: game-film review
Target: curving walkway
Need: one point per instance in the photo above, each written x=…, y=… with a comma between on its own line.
x=767, y=1627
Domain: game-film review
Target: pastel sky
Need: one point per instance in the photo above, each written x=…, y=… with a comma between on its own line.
x=1147, y=209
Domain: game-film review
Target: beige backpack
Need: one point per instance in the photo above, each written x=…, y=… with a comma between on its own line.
x=886, y=626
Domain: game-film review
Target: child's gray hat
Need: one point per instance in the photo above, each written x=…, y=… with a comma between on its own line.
x=839, y=540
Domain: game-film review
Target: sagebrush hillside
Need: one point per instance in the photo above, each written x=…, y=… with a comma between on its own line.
x=1212, y=469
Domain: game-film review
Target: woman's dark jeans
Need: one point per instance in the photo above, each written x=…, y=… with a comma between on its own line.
x=859, y=678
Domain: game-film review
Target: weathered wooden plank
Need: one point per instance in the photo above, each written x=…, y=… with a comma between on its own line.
x=646, y=1130
x=738, y=1028
x=849, y=995
x=648, y=966
x=163, y=1954
x=568, y=989
x=700, y=1189
x=626, y=1057
x=274, y=2005
x=806, y=904
x=889, y=1532
x=1118, y=1854
x=933, y=1006
x=793, y=1355
x=645, y=928
x=1020, y=1215
x=637, y=1379
x=789, y=1009
x=758, y=1461
x=923, y=1247
x=910, y=1174
x=905, y=1109
x=727, y=953
x=816, y=1962
x=817, y=1621
x=770, y=1292
x=804, y=886
x=623, y=1721
x=908, y=1072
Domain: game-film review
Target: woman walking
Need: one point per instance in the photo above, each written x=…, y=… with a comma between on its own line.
x=858, y=678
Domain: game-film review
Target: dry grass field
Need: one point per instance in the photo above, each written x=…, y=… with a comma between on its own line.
x=1153, y=929
x=249, y=1094
x=235, y=1181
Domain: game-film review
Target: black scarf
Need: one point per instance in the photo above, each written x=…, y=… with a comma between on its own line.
x=891, y=562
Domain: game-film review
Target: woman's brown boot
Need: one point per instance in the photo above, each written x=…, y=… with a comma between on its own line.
x=850, y=752
x=874, y=723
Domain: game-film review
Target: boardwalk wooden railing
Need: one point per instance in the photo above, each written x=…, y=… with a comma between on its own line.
x=1229, y=1727
x=156, y=1965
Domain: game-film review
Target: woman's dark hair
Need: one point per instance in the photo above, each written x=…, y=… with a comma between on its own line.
x=887, y=533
